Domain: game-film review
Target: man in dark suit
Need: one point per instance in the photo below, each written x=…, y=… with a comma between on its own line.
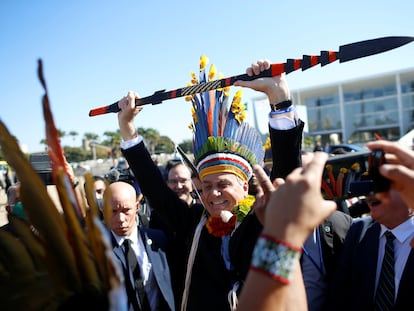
x=355, y=284
x=148, y=287
x=218, y=261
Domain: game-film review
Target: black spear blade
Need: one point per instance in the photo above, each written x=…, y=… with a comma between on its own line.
x=370, y=47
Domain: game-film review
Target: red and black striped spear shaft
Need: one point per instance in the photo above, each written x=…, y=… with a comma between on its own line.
x=346, y=53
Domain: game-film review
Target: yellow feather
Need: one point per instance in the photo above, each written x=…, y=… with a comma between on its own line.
x=28, y=235
x=83, y=256
x=93, y=233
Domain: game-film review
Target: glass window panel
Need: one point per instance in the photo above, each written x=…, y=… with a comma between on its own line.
x=351, y=96
x=327, y=100
x=390, y=90
x=327, y=118
x=408, y=101
x=407, y=87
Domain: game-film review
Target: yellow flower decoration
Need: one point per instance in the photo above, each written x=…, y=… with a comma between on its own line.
x=356, y=166
x=238, y=108
x=212, y=73
x=194, y=115
x=226, y=91
x=189, y=98
x=240, y=117
x=194, y=79
x=203, y=62
x=267, y=144
x=243, y=207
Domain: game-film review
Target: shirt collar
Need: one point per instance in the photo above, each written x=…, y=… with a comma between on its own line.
x=402, y=231
x=133, y=237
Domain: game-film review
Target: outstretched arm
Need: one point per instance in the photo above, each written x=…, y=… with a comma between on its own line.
x=149, y=177
x=285, y=128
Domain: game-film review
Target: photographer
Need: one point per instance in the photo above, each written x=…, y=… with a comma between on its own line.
x=357, y=283
x=399, y=168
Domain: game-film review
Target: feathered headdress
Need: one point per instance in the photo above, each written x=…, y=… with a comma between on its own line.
x=222, y=141
x=267, y=151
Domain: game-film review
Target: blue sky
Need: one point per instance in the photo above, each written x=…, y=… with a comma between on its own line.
x=93, y=52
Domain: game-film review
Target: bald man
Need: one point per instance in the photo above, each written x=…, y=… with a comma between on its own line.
x=149, y=248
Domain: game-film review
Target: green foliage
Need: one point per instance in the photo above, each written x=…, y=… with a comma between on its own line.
x=76, y=154
x=91, y=136
x=112, y=139
x=187, y=146
x=308, y=142
x=164, y=145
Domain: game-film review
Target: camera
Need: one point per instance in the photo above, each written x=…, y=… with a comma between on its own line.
x=354, y=174
x=117, y=174
x=41, y=164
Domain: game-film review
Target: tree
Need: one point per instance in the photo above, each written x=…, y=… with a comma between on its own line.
x=151, y=137
x=43, y=141
x=113, y=141
x=91, y=136
x=61, y=134
x=73, y=134
x=164, y=145
x=186, y=145
x=76, y=154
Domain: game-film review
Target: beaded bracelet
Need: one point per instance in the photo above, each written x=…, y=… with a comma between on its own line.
x=275, y=258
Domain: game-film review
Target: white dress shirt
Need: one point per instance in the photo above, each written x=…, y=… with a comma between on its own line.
x=403, y=235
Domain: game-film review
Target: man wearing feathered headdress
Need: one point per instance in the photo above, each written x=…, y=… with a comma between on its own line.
x=213, y=241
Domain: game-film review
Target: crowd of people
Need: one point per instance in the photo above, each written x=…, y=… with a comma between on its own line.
x=211, y=240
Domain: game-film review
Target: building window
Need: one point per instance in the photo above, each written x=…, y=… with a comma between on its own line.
x=407, y=87
x=327, y=100
x=324, y=119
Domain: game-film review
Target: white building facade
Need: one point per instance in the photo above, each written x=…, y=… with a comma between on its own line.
x=357, y=111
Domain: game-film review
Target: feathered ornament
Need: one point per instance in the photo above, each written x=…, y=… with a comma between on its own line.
x=50, y=261
x=336, y=181
x=267, y=151
x=55, y=150
x=222, y=141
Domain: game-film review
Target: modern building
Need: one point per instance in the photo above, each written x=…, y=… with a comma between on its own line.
x=359, y=110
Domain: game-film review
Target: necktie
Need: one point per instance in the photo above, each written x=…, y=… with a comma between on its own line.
x=384, y=299
x=132, y=262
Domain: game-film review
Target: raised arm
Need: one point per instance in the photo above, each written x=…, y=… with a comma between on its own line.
x=285, y=128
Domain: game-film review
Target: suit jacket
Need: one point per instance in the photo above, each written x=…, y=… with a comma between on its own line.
x=211, y=281
x=353, y=282
x=333, y=232
x=155, y=244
